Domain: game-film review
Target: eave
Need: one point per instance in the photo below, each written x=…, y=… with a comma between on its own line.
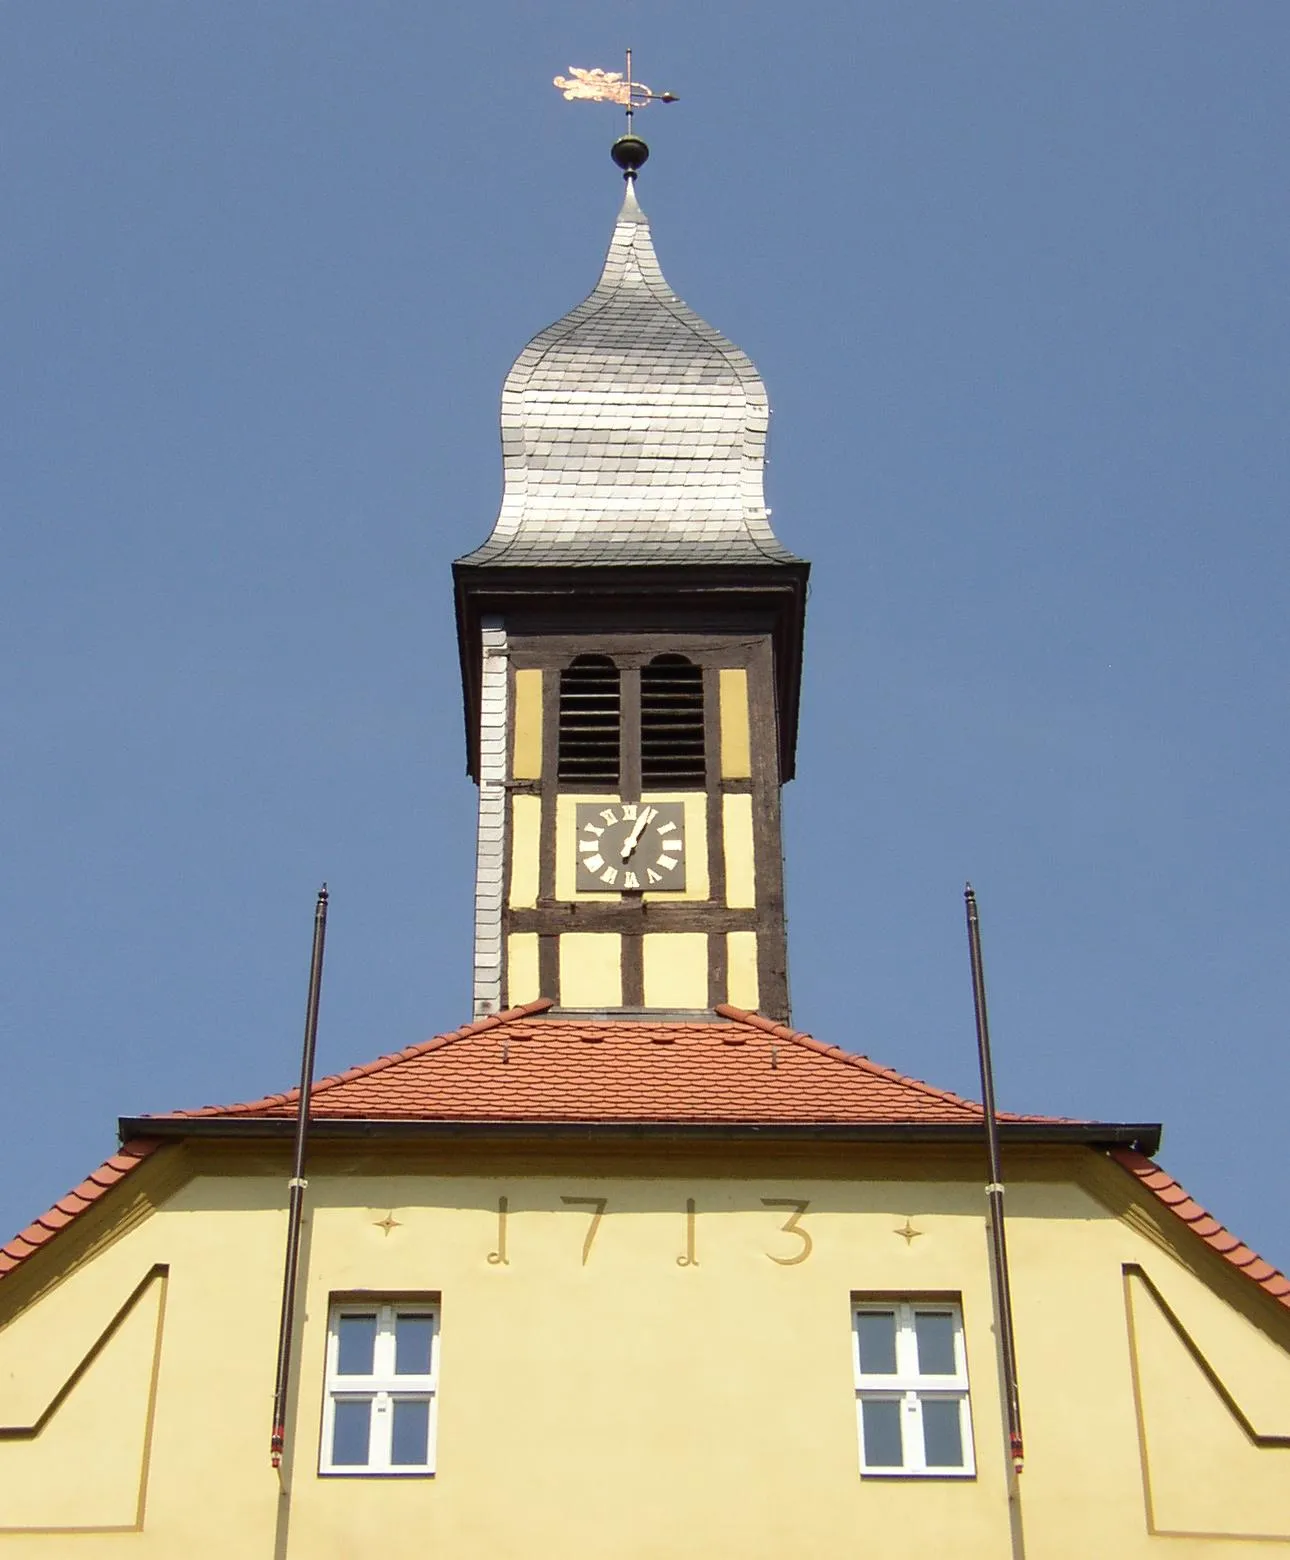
x=605, y=598
x=1143, y=1137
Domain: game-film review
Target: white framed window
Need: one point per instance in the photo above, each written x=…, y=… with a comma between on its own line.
x=912, y=1388
x=381, y=1387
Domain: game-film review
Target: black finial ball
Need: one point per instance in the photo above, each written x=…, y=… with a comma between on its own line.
x=630, y=153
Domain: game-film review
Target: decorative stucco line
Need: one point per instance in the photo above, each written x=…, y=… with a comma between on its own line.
x=632, y=431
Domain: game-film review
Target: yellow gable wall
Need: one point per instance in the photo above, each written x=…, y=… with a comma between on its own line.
x=195, y=1476
x=631, y=1405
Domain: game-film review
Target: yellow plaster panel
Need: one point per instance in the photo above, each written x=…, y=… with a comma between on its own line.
x=1254, y=1371
x=756, y=1460
x=1205, y=1475
x=591, y=970
x=522, y=981
x=676, y=969
x=83, y=1462
x=526, y=761
x=44, y=1347
x=737, y=834
x=526, y=834
x=736, y=756
x=741, y=969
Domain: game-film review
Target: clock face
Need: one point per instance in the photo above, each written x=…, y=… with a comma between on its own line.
x=628, y=847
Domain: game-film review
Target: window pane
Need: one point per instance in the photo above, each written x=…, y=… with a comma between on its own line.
x=877, y=1333
x=942, y=1433
x=352, y=1433
x=357, y=1336
x=882, y=1444
x=935, y=1333
x=411, y=1439
x=412, y=1335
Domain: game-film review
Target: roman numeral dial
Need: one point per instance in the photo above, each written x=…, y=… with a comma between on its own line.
x=631, y=847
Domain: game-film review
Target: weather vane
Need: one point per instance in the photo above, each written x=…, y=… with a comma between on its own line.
x=615, y=86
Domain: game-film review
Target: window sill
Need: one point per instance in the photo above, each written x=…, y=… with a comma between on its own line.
x=949, y=1475
x=376, y=1473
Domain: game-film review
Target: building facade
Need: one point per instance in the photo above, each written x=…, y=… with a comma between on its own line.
x=627, y=1266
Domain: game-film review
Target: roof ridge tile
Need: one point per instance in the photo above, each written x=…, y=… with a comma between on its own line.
x=366, y=1069
x=56, y=1219
x=852, y=1058
x=1202, y=1224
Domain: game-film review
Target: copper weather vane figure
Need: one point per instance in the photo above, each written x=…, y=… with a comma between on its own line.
x=608, y=86
x=615, y=86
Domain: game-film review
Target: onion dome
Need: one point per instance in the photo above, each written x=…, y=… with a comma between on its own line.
x=632, y=432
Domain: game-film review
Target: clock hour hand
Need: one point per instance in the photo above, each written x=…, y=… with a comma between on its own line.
x=633, y=839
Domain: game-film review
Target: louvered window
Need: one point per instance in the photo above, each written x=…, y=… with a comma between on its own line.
x=672, y=723
x=590, y=720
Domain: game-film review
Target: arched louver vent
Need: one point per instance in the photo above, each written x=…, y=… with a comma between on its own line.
x=672, y=723
x=590, y=724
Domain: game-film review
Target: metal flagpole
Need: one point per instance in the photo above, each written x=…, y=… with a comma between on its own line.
x=296, y=1187
x=994, y=1191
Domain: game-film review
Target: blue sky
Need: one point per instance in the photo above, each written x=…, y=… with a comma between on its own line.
x=1014, y=276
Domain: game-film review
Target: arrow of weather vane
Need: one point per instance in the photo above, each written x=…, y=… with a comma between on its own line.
x=610, y=86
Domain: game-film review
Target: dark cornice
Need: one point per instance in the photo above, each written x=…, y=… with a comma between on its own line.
x=694, y=598
x=1145, y=1137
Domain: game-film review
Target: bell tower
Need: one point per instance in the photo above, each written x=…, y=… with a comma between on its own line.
x=631, y=641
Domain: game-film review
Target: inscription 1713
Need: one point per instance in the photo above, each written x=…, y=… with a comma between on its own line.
x=597, y=1206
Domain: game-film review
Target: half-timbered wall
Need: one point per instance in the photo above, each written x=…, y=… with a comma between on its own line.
x=722, y=937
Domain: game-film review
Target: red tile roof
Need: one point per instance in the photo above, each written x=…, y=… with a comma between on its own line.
x=520, y=1066
x=1203, y=1224
x=74, y=1204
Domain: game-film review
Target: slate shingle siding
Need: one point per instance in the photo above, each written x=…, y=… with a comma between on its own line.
x=632, y=431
